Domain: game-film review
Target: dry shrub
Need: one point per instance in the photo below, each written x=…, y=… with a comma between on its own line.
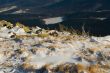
x=94, y=49
x=65, y=68
x=43, y=35
x=81, y=68
x=7, y=64
x=27, y=66
x=5, y=23
x=107, y=46
x=106, y=66
x=93, y=68
x=53, y=33
x=19, y=25
x=33, y=50
x=68, y=38
x=74, y=31
x=26, y=36
x=53, y=46
x=21, y=50
x=96, y=69
x=26, y=29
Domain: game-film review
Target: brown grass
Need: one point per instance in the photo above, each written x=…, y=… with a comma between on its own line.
x=65, y=68
x=53, y=46
x=93, y=68
x=81, y=68
x=27, y=66
x=94, y=49
x=43, y=35
x=74, y=31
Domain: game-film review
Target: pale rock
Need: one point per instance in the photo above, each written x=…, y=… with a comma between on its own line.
x=2, y=57
x=1, y=39
x=6, y=35
x=4, y=29
x=2, y=72
x=25, y=54
x=103, y=40
x=15, y=29
x=21, y=31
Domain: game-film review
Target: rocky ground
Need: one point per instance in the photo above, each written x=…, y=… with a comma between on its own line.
x=35, y=50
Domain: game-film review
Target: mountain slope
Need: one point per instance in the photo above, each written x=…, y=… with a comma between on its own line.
x=53, y=6
x=78, y=6
x=22, y=5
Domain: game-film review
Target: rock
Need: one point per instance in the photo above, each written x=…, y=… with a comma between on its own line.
x=103, y=40
x=2, y=57
x=7, y=35
x=20, y=31
x=5, y=23
x=53, y=33
x=2, y=72
x=15, y=29
x=4, y=29
x=25, y=54
x=36, y=30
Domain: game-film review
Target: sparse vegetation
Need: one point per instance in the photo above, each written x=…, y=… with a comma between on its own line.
x=19, y=24
x=64, y=51
x=43, y=35
x=65, y=68
x=26, y=29
x=5, y=23
x=73, y=31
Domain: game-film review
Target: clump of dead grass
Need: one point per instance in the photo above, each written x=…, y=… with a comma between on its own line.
x=83, y=33
x=43, y=35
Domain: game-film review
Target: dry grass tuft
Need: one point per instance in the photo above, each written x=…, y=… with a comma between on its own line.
x=26, y=29
x=97, y=69
x=5, y=23
x=81, y=68
x=19, y=25
x=93, y=68
x=53, y=46
x=94, y=49
x=74, y=31
x=43, y=35
x=27, y=66
x=107, y=46
x=65, y=68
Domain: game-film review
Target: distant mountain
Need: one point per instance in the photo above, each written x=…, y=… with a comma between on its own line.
x=70, y=6
x=93, y=14
x=50, y=7
x=24, y=6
